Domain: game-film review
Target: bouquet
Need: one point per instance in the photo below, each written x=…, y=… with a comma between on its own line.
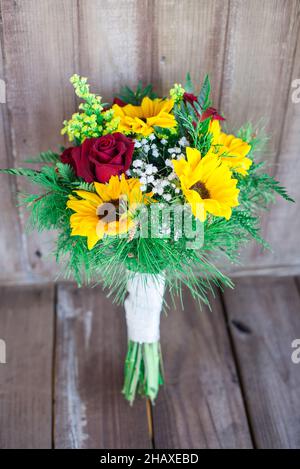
x=150, y=196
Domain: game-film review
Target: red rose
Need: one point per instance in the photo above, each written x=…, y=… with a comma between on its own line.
x=97, y=159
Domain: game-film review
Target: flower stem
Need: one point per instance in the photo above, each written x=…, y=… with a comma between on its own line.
x=143, y=370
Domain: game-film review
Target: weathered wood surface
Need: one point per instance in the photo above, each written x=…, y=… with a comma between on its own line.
x=90, y=411
x=201, y=405
x=264, y=318
x=226, y=387
x=249, y=48
x=26, y=326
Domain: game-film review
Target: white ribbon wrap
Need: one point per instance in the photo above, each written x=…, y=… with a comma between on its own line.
x=143, y=306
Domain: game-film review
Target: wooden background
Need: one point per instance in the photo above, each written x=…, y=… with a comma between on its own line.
x=250, y=48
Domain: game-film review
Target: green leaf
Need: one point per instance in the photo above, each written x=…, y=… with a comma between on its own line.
x=188, y=86
x=84, y=186
x=66, y=172
x=31, y=173
x=203, y=97
x=44, y=157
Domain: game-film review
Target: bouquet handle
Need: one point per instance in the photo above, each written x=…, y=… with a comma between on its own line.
x=143, y=364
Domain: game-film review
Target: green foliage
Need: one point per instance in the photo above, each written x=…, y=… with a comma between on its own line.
x=135, y=97
x=114, y=259
x=92, y=120
x=188, y=86
x=44, y=157
x=204, y=95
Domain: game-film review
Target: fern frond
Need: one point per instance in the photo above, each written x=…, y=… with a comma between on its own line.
x=44, y=157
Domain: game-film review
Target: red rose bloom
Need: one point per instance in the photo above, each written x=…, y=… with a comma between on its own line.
x=97, y=159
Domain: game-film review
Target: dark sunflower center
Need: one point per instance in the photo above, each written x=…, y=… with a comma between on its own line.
x=111, y=211
x=201, y=189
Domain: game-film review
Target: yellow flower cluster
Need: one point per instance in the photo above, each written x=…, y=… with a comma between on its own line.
x=91, y=121
x=177, y=92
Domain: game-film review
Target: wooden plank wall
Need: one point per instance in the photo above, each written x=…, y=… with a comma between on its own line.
x=249, y=48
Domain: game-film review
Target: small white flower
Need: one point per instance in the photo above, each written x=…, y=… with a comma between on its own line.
x=179, y=157
x=171, y=150
x=164, y=183
x=143, y=180
x=172, y=176
x=154, y=169
x=146, y=148
x=150, y=179
x=152, y=137
x=149, y=169
x=128, y=172
x=183, y=142
x=155, y=153
x=177, y=150
x=177, y=190
x=143, y=188
x=153, y=146
x=167, y=197
x=163, y=141
x=137, y=144
x=169, y=163
x=144, y=141
x=160, y=190
x=137, y=163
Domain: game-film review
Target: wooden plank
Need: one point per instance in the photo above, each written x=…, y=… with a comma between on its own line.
x=40, y=53
x=264, y=316
x=12, y=256
x=26, y=325
x=201, y=405
x=90, y=411
x=283, y=221
x=259, y=55
x=120, y=54
x=260, y=63
x=188, y=36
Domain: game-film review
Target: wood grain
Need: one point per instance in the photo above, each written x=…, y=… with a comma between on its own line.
x=12, y=257
x=26, y=325
x=188, y=36
x=264, y=317
x=201, y=405
x=282, y=225
x=90, y=411
x=114, y=43
x=39, y=42
x=259, y=55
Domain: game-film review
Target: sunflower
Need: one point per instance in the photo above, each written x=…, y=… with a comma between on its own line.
x=109, y=211
x=141, y=119
x=231, y=149
x=207, y=184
